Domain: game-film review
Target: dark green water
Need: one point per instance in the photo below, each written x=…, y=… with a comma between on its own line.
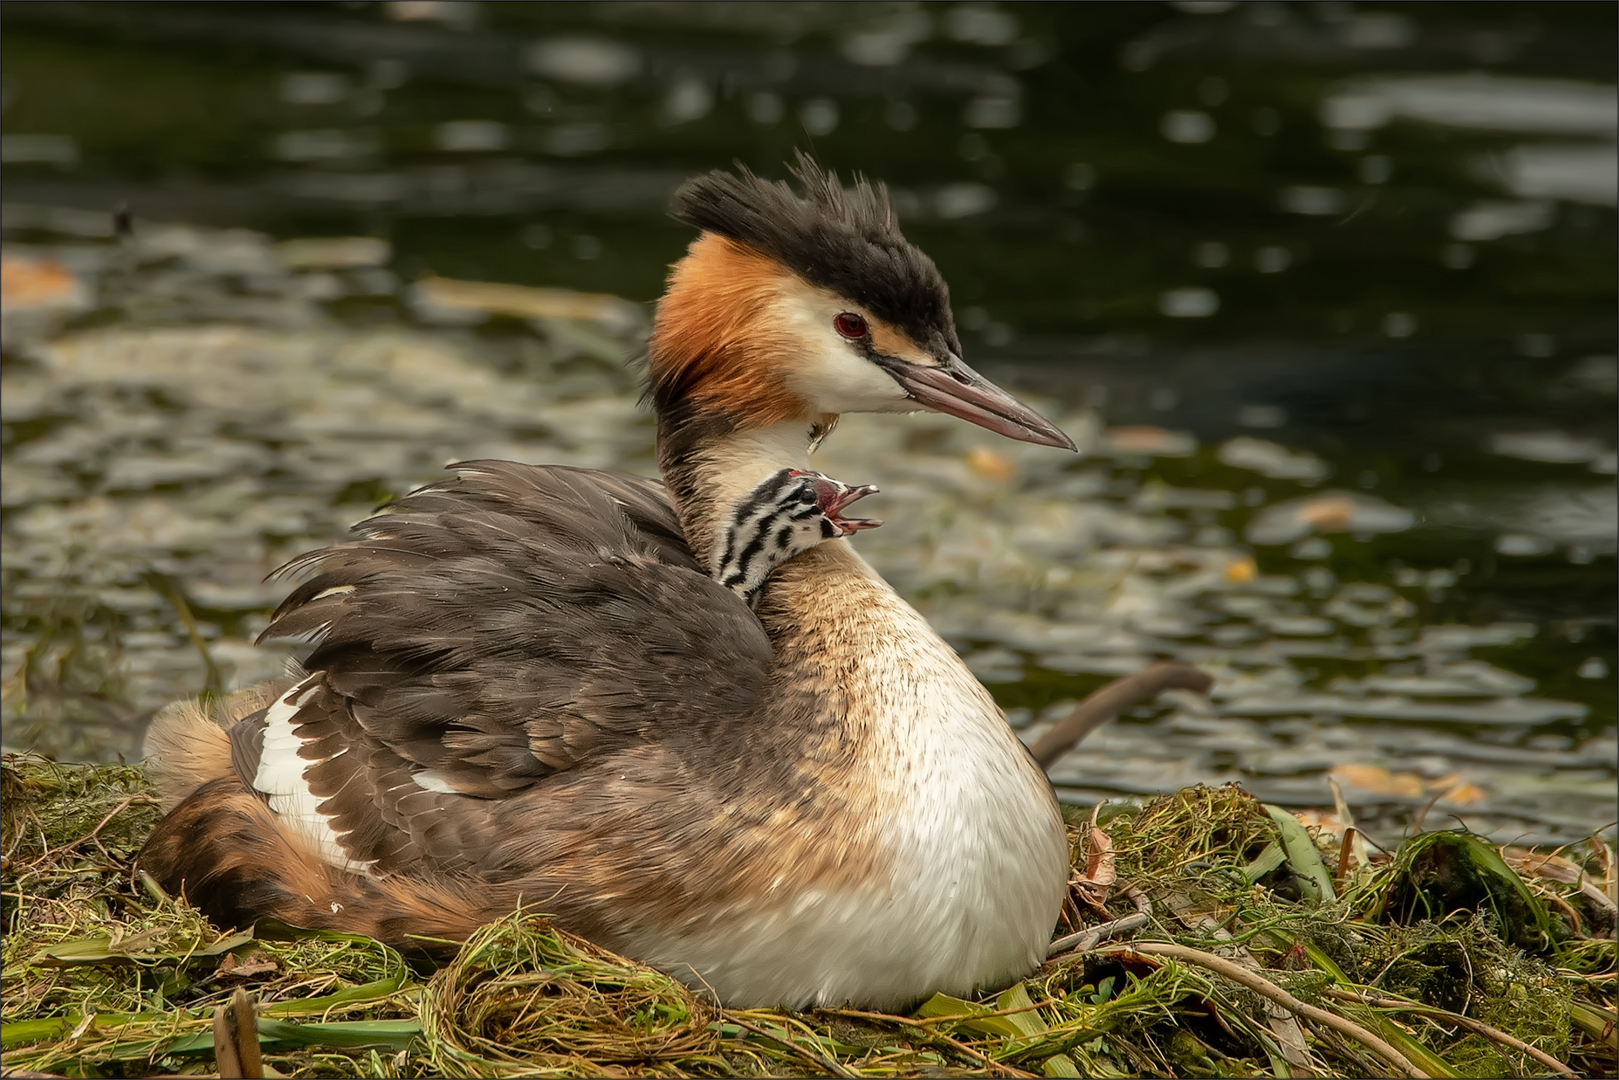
x=1380, y=239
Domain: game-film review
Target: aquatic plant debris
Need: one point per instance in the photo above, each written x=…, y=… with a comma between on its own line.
x=105, y=975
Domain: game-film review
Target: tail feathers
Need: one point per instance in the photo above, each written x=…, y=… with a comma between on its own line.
x=188, y=743
x=226, y=853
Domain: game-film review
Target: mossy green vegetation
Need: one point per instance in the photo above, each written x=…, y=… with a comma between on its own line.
x=1447, y=957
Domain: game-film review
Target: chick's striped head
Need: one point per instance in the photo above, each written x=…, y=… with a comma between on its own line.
x=790, y=512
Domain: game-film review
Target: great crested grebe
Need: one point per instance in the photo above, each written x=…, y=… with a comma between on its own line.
x=526, y=690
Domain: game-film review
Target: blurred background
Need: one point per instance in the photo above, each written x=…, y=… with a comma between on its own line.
x=1325, y=290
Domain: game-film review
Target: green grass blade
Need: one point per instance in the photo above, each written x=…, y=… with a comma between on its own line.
x=1303, y=856
x=391, y=1035
x=374, y=991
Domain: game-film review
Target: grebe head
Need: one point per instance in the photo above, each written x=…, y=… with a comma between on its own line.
x=790, y=512
x=798, y=306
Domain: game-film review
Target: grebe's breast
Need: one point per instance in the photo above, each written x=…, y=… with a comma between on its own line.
x=914, y=764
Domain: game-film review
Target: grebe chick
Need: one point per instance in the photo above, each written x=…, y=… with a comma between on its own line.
x=791, y=512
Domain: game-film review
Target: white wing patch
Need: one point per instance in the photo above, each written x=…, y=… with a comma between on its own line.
x=281, y=777
x=335, y=590
x=433, y=780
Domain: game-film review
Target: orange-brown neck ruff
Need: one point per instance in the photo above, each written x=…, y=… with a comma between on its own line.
x=718, y=346
x=718, y=358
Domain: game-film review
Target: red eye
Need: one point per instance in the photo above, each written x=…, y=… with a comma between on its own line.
x=850, y=325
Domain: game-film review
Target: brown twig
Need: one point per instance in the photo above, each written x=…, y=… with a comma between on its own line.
x=22, y=832
x=1112, y=699
x=93, y=834
x=1422, y=815
x=985, y=1059
x=1267, y=989
x=1567, y=909
x=236, y=1038
x=1086, y=940
x=1286, y=1028
x=1475, y=1026
x=820, y=1061
x=1346, y=851
x=956, y=1018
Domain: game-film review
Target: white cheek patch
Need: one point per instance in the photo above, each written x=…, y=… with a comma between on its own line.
x=829, y=371
x=281, y=777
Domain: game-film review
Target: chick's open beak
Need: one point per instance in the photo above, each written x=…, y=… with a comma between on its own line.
x=957, y=389
x=836, y=498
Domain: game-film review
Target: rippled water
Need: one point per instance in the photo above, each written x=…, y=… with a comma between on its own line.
x=1326, y=294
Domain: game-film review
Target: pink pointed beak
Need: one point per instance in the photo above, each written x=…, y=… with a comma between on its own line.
x=957, y=389
x=835, y=498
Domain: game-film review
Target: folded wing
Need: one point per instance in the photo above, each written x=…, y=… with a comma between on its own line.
x=483, y=634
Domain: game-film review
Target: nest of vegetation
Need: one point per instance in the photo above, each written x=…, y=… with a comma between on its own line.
x=1205, y=935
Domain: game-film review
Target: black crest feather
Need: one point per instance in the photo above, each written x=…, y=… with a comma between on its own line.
x=846, y=240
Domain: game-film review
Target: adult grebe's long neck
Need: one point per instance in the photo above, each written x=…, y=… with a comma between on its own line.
x=724, y=341
x=709, y=465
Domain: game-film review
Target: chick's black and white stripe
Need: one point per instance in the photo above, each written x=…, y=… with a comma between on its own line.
x=776, y=521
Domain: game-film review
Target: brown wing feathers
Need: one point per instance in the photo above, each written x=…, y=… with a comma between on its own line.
x=225, y=851
x=477, y=637
x=505, y=624
x=499, y=627
x=370, y=798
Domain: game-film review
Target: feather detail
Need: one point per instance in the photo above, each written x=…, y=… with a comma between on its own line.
x=281, y=776
x=512, y=623
x=188, y=743
x=719, y=340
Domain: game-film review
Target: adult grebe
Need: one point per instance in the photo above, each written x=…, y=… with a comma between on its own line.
x=527, y=690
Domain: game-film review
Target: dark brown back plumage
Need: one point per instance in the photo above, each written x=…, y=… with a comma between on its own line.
x=497, y=628
x=513, y=620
